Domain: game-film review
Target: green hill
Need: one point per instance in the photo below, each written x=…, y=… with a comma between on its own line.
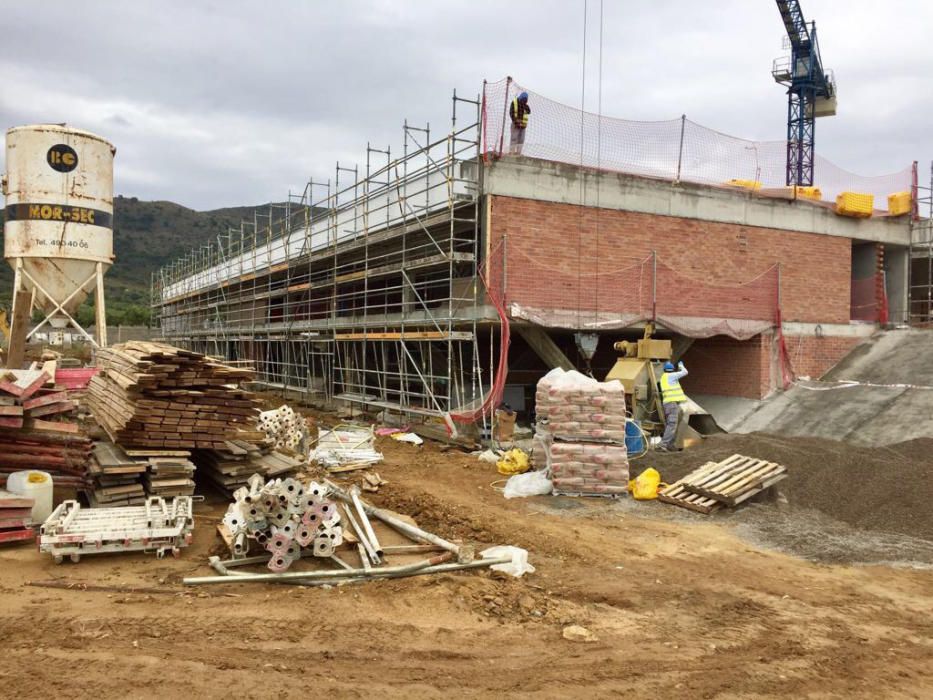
x=147, y=235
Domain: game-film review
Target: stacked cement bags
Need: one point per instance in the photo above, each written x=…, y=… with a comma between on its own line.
x=581, y=427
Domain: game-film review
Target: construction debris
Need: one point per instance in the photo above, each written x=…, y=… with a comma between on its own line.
x=15, y=517
x=345, y=447
x=157, y=525
x=726, y=483
x=157, y=396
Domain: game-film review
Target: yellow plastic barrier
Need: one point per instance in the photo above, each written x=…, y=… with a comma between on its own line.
x=899, y=203
x=753, y=185
x=855, y=204
x=814, y=193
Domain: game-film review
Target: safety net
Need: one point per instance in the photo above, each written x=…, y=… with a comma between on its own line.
x=675, y=149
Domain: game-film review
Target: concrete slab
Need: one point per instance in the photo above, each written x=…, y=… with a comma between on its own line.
x=889, y=401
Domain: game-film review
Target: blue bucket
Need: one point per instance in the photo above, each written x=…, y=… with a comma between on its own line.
x=634, y=442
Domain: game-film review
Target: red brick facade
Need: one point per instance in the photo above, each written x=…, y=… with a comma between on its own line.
x=813, y=357
x=563, y=256
x=729, y=367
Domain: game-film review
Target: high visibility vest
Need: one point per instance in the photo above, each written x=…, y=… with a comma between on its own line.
x=671, y=392
x=520, y=113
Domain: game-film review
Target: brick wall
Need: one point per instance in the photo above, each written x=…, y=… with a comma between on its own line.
x=562, y=256
x=729, y=367
x=813, y=357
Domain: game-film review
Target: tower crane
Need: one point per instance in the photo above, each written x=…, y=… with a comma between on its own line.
x=811, y=90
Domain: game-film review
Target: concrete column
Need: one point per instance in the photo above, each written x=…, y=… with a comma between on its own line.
x=896, y=262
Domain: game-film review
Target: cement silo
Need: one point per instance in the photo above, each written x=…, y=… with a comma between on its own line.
x=58, y=235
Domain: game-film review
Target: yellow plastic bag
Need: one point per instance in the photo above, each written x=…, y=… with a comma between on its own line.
x=645, y=486
x=515, y=461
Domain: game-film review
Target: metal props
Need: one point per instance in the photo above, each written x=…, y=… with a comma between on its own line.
x=286, y=518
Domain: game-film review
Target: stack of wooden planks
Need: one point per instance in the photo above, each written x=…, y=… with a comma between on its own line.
x=169, y=475
x=150, y=395
x=230, y=468
x=15, y=517
x=115, y=477
x=37, y=429
x=727, y=483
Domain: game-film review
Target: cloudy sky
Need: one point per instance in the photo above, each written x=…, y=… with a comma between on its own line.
x=216, y=103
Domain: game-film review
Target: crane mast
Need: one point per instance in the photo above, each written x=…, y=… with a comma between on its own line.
x=811, y=91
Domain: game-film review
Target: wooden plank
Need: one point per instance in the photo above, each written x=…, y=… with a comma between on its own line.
x=19, y=328
x=52, y=426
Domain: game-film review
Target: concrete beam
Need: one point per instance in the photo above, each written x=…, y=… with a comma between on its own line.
x=544, y=347
x=549, y=181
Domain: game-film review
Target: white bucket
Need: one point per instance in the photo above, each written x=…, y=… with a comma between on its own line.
x=36, y=485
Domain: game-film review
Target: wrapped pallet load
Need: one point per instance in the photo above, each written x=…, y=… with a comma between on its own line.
x=581, y=429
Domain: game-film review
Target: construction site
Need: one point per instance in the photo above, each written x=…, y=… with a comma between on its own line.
x=546, y=402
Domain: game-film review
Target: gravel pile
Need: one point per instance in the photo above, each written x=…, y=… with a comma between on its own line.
x=889, y=489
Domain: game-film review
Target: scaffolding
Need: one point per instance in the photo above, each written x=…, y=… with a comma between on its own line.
x=921, y=252
x=362, y=288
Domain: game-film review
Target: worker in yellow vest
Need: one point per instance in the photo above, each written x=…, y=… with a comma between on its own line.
x=672, y=396
x=518, y=113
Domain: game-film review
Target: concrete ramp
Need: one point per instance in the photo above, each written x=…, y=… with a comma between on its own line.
x=879, y=394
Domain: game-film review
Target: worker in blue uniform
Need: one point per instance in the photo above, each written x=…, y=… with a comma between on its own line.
x=672, y=399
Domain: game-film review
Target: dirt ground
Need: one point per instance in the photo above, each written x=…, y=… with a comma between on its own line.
x=681, y=606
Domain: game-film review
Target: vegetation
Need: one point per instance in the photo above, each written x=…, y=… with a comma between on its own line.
x=146, y=236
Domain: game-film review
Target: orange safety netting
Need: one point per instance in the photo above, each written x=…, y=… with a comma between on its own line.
x=676, y=149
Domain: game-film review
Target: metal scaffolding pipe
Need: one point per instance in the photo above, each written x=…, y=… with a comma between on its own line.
x=319, y=575
x=367, y=526
x=412, y=531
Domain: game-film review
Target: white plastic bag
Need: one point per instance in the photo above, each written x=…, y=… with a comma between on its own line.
x=528, y=484
x=519, y=564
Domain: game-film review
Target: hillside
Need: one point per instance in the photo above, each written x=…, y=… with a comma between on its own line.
x=147, y=235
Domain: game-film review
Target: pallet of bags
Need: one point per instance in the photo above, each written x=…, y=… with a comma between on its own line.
x=581, y=426
x=589, y=468
x=573, y=405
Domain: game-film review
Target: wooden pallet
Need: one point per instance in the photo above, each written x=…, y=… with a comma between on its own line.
x=726, y=483
x=736, y=479
x=677, y=494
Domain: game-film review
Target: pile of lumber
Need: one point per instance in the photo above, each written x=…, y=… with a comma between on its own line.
x=150, y=395
x=727, y=483
x=37, y=429
x=169, y=476
x=115, y=477
x=15, y=517
x=231, y=467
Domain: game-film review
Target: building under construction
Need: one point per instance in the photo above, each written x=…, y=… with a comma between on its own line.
x=441, y=278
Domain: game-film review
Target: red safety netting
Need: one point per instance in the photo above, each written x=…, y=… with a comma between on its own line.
x=676, y=149
x=869, y=300
x=586, y=289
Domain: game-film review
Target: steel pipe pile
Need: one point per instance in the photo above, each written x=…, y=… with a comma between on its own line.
x=286, y=518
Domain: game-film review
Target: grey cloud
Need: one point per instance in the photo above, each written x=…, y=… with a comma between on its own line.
x=224, y=103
